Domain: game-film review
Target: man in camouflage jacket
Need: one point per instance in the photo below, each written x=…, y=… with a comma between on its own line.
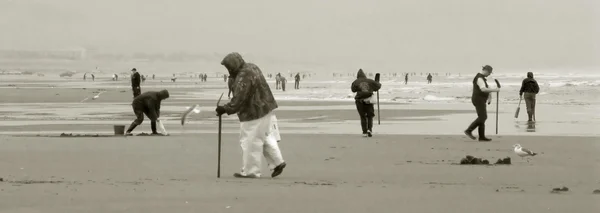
x=253, y=103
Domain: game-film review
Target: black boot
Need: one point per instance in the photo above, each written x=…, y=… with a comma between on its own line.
x=131, y=127
x=153, y=127
x=370, y=126
x=469, y=131
x=529, y=116
x=481, y=131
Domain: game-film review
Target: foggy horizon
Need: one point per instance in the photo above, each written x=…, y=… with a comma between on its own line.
x=407, y=34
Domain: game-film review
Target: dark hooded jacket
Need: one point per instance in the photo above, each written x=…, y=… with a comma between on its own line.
x=363, y=86
x=252, y=95
x=149, y=103
x=529, y=85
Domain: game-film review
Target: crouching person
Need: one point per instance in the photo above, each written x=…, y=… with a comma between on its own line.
x=148, y=103
x=254, y=103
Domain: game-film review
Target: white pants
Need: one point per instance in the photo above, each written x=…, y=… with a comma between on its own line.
x=275, y=128
x=257, y=139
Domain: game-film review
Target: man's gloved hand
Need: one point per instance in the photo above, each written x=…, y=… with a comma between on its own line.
x=220, y=110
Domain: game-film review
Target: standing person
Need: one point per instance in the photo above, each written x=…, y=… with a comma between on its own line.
x=230, y=81
x=282, y=81
x=148, y=104
x=135, y=83
x=297, y=81
x=254, y=103
x=364, y=88
x=277, y=81
x=429, y=78
x=406, y=79
x=93, y=77
x=153, y=75
x=530, y=88
x=481, y=95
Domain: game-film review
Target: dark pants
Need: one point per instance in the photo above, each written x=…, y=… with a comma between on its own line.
x=530, y=104
x=479, y=123
x=282, y=86
x=366, y=113
x=139, y=118
x=136, y=92
x=297, y=85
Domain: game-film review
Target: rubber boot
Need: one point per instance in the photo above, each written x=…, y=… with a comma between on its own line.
x=481, y=131
x=153, y=127
x=131, y=127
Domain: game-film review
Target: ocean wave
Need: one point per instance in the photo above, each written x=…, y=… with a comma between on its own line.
x=435, y=98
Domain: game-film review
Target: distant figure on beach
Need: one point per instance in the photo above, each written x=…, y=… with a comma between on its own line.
x=278, y=81
x=93, y=77
x=253, y=102
x=135, y=82
x=529, y=89
x=297, y=81
x=282, y=81
x=84, y=76
x=406, y=79
x=173, y=79
x=224, y=78
x=148, y=104
x=153, y=75
x=230, y=81
x=364, y=88
x=481, y=95
x=429, y=78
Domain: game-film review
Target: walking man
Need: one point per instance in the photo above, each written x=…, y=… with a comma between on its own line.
x=481, y=95
x=364, y=88
x=254, y=103
x=135, y=83
x=148, y=104
x=530, y=89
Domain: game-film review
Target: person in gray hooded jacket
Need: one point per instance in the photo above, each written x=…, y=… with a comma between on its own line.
x=147, y=103
x=364, y=88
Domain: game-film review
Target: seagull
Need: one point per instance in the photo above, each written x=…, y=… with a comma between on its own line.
x=522, y=152
x=194, y=109
x=97, y=96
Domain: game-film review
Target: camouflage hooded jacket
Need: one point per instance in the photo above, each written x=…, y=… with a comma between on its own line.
x=252, y=95
x=364, y=87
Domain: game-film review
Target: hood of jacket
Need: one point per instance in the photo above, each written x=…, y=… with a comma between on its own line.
x=163, y=94
x=529, y=78
x=233, y=62
x=361, y=74
x=529, y=75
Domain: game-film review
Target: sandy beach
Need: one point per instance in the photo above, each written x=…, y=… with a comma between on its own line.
x=410, y=165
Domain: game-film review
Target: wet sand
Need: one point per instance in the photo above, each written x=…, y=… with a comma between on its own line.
x=325, y=173
x=330, y=167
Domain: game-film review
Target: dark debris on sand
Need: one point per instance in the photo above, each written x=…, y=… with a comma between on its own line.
x=559, y=190
x=470, y=160
x=597, y=191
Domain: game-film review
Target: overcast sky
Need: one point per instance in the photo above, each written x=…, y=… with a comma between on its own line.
x=444, y=34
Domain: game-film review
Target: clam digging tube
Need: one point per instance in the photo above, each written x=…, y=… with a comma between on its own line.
x=497, y=103
x=377, y=76
x=219, y=148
